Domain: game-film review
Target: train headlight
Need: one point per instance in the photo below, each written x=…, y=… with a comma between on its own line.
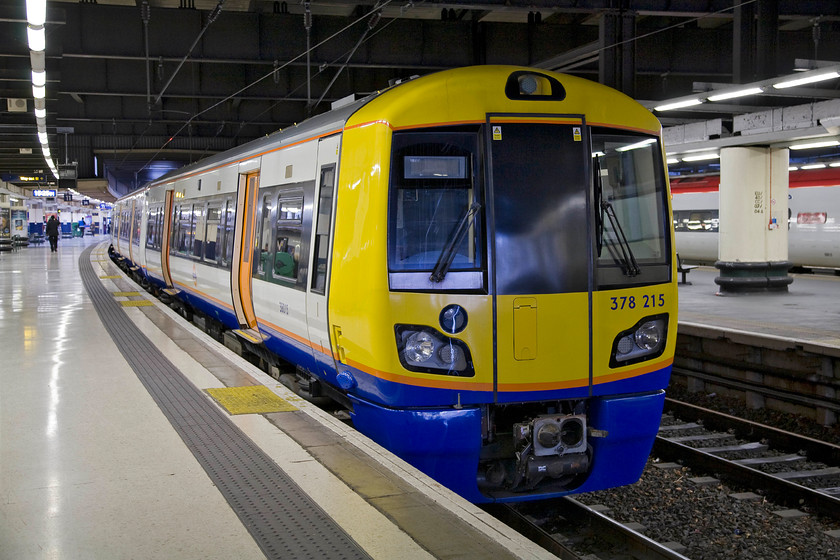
x=427, y=350
x=646, y=340
x=419, y=347
x=649, y=336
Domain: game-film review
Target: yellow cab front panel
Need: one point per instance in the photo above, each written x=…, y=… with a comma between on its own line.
x=502, y=300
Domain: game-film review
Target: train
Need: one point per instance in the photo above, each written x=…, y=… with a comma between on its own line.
x=477, y=263
x=813, y=210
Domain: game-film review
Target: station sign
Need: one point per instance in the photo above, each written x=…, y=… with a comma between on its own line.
x=44, y=193
x=85, y=202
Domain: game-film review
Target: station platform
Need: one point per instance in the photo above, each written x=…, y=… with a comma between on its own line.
x=126, y=432
x=809, y=312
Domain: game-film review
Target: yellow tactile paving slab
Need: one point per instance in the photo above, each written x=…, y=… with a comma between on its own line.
x=136, y=303
x=125, y=294
x=108, y=277
x=253, y=399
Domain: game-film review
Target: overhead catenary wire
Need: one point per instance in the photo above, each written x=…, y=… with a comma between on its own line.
x=258, y=80
x=367, y=36
x=374, y=19
x=210, y=19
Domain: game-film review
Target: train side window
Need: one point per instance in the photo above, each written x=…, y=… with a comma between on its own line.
x=159, y=237
x=322, y=229
x=262, y=239
x=211, y=232
x=228, y=221
x=287, y=245
x=811, y=218
x=696, y=221
x=154, y=227
x=124, y=224
x=184, y=231
x=199, y=229
x=135, y=225
x=151, y=227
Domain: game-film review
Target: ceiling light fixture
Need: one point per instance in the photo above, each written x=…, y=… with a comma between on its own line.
x=734, y=94
x=701, y=157
x=819, y=144
x=37, y=38
x=36, y=12
x=679, y=104
x=813, y=78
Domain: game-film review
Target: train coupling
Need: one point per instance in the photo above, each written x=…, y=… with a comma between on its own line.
x=550, y=446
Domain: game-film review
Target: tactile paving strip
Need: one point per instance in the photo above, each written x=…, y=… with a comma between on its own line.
x=283, y=520
x=251, y=399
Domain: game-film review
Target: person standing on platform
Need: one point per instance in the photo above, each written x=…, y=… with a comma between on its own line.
x=82, y=227
x=52, y=232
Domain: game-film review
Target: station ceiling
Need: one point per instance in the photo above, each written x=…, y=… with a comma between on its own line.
x=137, y=87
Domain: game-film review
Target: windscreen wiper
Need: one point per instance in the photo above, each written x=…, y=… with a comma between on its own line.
x=626, y=258
x=447, y=255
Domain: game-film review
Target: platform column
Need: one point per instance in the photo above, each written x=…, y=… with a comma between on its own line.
x=753, y=247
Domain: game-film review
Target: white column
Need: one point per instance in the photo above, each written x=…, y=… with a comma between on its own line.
x=753, y=246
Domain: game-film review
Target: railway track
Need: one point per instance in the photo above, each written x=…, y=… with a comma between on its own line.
x=556, y=524
x=791, y=469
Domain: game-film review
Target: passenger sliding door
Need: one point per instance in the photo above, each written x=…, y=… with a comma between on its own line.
x=317, y=297
x=541, y=258
x=243, y=254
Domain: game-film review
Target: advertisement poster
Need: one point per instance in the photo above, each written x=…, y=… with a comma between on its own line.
x=5, y=223
x=19, y=222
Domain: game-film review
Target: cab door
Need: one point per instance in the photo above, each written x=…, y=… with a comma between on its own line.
x=318, y=288
x=541, y=262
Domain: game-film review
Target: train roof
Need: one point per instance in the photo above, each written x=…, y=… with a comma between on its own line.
x=415, y=102
x=318, y=125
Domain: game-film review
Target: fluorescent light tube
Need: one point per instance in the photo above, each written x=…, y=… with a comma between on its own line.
x=733, y=94
x=819, y=144
x=807, y=80
x=679, y=104
x=36, y=37
x=701, y=157
x=36, y=12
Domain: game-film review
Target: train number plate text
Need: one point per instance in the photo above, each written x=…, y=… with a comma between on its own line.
x=632, y=302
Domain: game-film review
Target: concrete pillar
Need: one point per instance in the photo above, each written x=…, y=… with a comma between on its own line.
x=753, y=244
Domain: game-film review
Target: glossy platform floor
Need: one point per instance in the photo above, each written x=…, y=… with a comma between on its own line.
x=809, y=310
x=90, y=467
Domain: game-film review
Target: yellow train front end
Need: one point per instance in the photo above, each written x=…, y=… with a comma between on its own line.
x=502, y=300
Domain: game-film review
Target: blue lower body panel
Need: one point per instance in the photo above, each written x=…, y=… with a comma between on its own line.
x=632, y=423
x=443, y=443
x=446, y=443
